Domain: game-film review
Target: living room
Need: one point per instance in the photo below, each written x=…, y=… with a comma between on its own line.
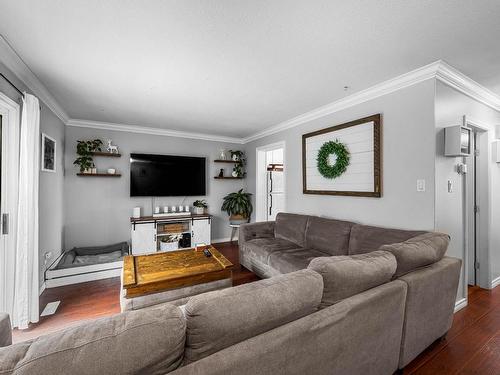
x=249, y=187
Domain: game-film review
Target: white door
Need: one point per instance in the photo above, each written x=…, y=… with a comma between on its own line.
x=143, y=238
x=200, y=232
x=9, y=141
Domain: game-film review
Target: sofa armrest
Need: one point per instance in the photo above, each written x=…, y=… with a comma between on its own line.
x=263, y=229
x=5, y=330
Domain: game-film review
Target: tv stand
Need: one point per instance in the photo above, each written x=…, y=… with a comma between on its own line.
x=147, y=232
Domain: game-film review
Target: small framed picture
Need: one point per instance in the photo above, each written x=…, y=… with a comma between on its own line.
x=48, y=153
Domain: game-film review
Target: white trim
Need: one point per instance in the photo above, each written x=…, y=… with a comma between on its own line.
x=495, y=282
x=77, y=279
x=152, y=131
x=219, y=240
x=459, y=81
x=460, y=304
x=17, y=66
x=42, y=288
x=54, y=273
x=437, y=70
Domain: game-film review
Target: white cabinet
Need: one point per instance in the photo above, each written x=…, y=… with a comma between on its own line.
x=200, y=231
x=146, y=231
x=143, y=238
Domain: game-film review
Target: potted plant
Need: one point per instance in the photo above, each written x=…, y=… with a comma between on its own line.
x=239, y=157
x=200, y=206
x=238, y=206
x=84, y=150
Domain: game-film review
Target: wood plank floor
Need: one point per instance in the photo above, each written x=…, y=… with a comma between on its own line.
x=472, y=346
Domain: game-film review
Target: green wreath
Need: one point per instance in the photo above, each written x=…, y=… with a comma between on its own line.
x=341, y=164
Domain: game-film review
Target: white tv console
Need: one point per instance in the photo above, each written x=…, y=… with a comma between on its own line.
x=146, y=232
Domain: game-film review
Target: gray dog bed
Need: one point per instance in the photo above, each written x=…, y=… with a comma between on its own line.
x=87, y=256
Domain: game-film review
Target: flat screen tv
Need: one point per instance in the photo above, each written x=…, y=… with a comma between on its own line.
x=166, y=175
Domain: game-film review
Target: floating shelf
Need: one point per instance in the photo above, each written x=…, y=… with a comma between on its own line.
x=108, y=154
x=227, y=161
x=98, y=175
x=228, y=178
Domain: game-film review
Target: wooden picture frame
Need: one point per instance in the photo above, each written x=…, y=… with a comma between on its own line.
x=49, y=154
x=373, y=187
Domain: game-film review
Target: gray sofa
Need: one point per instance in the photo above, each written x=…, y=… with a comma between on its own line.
x=344, y=314
x=294, y=242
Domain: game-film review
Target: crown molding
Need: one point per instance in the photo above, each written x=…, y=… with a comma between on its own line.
x=439, y=70
x=16, y=65
x=394, y=84
x=466, y=85
x=152, y=131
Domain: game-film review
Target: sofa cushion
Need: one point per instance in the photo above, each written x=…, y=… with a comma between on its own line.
x=345, y=276
x=291, y=227
x=418, y=251
x=328, y=235
x=293, y=260
x=146, y=341
x=5, y=330
x=261, y=248
x=365, y=238
x=219, y=319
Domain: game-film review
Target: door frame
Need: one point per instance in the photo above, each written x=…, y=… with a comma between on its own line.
x=261, y=178
x=11, y=114
x=481, y=218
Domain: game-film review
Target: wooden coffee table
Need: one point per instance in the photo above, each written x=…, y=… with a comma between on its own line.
x=172, y=276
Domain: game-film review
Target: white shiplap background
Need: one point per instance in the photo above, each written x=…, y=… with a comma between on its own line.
x=359, y=175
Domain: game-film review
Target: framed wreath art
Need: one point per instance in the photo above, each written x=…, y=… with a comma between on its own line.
x=341, y=154
x=343, y=159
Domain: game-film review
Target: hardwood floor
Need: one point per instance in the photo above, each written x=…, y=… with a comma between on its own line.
x=472, y=346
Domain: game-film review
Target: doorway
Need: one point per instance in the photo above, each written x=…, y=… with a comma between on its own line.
x=270, y=180
x=9, y=165
x=476, y=197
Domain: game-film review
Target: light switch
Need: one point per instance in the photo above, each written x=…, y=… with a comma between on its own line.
x=450, y=186
x=420, y=185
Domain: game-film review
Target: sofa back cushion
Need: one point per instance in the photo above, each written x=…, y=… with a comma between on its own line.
x=291, y=227
x=328, y=235
x=419, y=251
x=149, y=341
x=217, y=320
x=345, y=276
x=365, y=238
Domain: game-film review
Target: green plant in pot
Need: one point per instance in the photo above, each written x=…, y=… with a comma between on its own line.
x=239, y=157
x=200, y=206
x=84, y=150
x=238, y=206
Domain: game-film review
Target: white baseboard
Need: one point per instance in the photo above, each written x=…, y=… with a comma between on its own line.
x=42, y=288
x=227, y=239
x=460, y=304
x=495, y=283
x=76, y=279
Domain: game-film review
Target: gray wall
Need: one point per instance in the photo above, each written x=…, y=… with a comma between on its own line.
x=98, y=210
x=407, y=155
x=451, y=105
x=51, y=201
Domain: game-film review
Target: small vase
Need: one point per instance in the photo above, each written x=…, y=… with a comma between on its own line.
x=222, y=154
x=234, y=174
x=87, y=171
x=236, y=158
x=94, y=170
x=199, y=210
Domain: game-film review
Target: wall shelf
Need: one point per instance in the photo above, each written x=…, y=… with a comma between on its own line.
x=108, y=154
x=228, y=178
x=98, y=175
x=227, y=161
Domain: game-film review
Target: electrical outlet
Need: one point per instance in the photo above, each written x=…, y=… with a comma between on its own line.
x=48, y=255
x=420, y=185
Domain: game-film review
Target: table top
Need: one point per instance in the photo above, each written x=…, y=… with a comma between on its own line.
x=151, y=273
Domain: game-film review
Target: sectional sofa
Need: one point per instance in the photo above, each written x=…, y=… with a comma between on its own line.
x=340, y=314
x=295, y=242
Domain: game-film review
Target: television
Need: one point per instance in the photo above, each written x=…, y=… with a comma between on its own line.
x=166, y=175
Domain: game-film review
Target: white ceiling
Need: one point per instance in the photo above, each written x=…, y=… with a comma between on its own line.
x=232, y=67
